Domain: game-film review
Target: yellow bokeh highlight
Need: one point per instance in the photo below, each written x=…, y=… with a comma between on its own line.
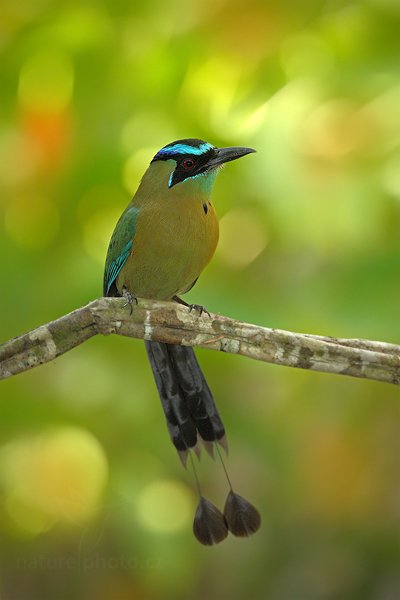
x=134, y=167
x=165, y=506
x=211, y=88
x=153, y=127
x=98, y=212
x=81, y=26
x=242, y=122
x=46, y=82
x=58, y=475
x=253, y=120
x=32, y=222
x=97, y=232
x=391, y=177
x=242, y=238
x=29, y=519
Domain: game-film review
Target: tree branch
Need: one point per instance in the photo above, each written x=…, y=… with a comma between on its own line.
x=174, y=324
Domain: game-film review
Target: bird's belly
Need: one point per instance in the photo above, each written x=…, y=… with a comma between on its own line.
x=170, y=251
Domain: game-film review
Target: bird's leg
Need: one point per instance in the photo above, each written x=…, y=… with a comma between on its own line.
x=129, y=299
x=191, y=307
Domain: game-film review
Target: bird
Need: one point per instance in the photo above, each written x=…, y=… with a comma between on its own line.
x=162, y=242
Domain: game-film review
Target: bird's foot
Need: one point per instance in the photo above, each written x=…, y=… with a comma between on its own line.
x=201, y=309
x=130, y=299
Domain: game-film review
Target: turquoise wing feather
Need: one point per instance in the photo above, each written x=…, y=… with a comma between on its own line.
x=121, y=246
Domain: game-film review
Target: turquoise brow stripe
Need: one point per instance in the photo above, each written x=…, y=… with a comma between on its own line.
x=185, y=149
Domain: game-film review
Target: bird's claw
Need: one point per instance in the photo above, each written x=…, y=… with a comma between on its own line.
x=201, y=309
x=191, y=307
x=130, y=299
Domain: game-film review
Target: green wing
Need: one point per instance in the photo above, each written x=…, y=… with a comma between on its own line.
x=121, y=245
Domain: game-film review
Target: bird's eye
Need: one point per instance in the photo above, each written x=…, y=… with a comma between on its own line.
x=188, y=164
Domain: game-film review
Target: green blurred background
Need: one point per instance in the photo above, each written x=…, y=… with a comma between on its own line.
x=94, y=502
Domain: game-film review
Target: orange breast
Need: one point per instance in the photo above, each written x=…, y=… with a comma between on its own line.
x=173, y=243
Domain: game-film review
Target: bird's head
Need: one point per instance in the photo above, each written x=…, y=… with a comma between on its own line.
x=194, y=162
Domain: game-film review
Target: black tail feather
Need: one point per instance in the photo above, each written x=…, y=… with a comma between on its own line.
x=197, y=393
x=180, y=425
x=187, y=401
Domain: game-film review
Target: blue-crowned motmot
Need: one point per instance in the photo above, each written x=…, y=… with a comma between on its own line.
x=162, y=242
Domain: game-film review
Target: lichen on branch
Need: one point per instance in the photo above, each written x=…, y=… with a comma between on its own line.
x=169, y=322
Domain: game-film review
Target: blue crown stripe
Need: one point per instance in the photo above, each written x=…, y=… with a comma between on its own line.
x=186, y=149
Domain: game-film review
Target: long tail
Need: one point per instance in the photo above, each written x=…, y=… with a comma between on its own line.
x=187, y=401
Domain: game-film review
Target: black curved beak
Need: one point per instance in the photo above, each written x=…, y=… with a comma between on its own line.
x=224, y=155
